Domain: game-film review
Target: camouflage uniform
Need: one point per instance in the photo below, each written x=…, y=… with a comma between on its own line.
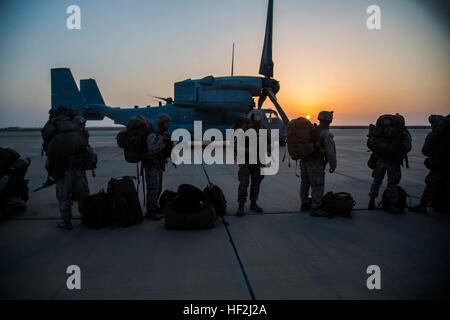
x=391, y=167
x=249, y=173
x=154, y=164
x=72, y=185
x=313, y=169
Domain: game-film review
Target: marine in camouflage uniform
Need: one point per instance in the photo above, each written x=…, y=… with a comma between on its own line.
x=73, y=185
x=313, y=168
x=436, y=178
x=391, y=167
x=250, y=174
x=158, y=150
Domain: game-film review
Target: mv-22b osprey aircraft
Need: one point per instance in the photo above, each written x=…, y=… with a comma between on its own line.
x=216, y=101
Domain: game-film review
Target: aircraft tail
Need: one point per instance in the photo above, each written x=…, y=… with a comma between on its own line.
x=65, y=93
x=90, y=92
x=64, y=90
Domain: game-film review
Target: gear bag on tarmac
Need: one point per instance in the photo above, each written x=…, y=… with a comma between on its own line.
x=387, y=205
x=133, y=140
x=126, y=208
x=338, y=204
x=7, y=158
x=214, y=195
x=98, y=211
x=190, y=210
x=301, y=138
x=386, y=137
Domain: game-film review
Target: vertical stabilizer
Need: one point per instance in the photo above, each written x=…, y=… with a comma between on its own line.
x=90, y=92
x=64, y=90
x=266, y=66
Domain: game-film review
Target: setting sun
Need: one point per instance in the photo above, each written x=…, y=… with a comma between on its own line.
x=308, y=117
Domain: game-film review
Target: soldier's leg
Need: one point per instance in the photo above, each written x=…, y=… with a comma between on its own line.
x=378, y=175
x=304, y=186
x=82, y=185
x=244, y=180
x=152, y=178
x=64, y=196
x=244, y=177
x=316, y=173
x=256, y=179
x=394, y=175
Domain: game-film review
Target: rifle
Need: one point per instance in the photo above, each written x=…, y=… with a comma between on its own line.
x=49, y=182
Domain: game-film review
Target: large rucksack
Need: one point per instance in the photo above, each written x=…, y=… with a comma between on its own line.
x=97, y=211
x=133, y=140
x=386, y=137
x=215, y=196
x=126, y=208
x=63, y=143
x=339, y=204
x=387, y=205
x=190, y=210
x=301, y=138
x=7, y=158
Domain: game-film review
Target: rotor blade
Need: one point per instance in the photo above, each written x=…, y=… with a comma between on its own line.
x=266, y=66
x=277, y=105
x=168, y=100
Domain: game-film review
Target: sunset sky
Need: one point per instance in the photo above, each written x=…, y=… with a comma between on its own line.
x=325, y=57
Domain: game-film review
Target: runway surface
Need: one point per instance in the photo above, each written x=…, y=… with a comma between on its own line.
x=281, y=254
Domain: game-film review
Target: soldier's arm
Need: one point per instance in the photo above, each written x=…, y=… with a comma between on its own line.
x=330, y=149
x=426, y=149
x=154, y=144
x=407, y=141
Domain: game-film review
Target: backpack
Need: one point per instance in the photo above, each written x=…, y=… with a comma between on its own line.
x=126, y=208
x=133, y=140
x=63, y=144
x=214, y=195
x=97, y=211
x=190, y=210
x=7, y=158
x=338, y=204
x=203, y=218
x=402, y=195
x=166, y=197
x=189, y=198
x=301, y=138
x=386, y=137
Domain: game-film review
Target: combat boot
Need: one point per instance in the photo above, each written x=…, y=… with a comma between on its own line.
x=241, y=210
x=371, y=204
x=419, y=209
x=305, y=207
x=66, y=225
x=254, y=207
x=152, y=215
x=320, y=213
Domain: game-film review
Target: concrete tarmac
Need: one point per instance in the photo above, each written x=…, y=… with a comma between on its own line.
x=281, y=254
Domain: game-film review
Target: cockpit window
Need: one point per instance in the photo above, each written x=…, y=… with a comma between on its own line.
x=271, y=115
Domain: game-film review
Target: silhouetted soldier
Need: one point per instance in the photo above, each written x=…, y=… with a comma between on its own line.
x=250, y=173
x=313, y=168
x=437, y=165
x=159, y=147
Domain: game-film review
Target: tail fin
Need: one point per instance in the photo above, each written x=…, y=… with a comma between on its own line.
x=90, y=92
x=64, y=90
